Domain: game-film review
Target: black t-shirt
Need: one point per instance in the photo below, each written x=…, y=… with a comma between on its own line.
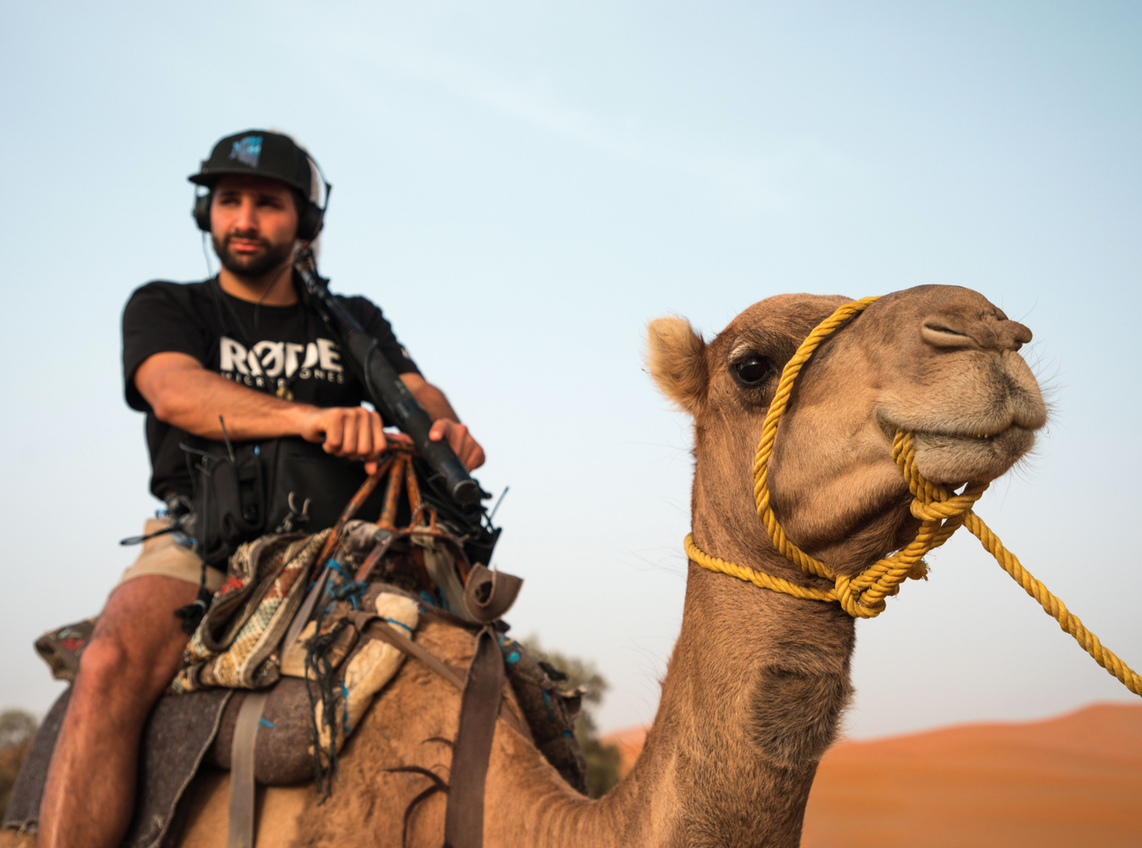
x=264, y=347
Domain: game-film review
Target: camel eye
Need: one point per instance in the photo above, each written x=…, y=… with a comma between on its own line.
x=753, y=370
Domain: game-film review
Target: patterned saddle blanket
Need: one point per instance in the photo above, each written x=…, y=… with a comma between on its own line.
x=322, y=685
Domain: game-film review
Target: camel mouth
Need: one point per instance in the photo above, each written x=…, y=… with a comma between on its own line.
x=957, y=458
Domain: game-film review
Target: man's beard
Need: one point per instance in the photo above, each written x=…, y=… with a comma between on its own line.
x=272, y=256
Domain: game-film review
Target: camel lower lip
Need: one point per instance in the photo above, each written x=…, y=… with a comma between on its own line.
x=945, y=440
x=946, y=458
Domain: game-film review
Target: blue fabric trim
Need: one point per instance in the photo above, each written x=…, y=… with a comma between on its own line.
x=351, y=591
x=345, y=709
x=547, y=703
x=338, y=569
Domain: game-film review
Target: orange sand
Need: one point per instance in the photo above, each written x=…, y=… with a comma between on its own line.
x=1072, y=781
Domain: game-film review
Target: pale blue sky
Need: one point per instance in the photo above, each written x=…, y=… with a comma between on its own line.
x=521, y=187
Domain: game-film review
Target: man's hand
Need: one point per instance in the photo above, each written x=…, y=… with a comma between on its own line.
x=467, y=449
x=349, y=431
x=356, y=433
x=446, y=424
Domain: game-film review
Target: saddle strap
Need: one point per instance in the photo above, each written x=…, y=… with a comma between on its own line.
x=479, y=706
x=303, y=614
x=481, y=702
x=388, y=633
x=377, y=627
x=242, y=787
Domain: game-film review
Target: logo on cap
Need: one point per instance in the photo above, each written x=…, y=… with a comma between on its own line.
x=247, y=150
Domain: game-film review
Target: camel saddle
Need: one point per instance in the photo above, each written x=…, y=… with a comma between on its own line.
x=282, y=667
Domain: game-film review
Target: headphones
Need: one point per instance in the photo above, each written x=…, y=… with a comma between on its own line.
x=310, y=216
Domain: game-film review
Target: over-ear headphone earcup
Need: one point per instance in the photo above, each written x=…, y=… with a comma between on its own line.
x=201, y=212
x=309, y=224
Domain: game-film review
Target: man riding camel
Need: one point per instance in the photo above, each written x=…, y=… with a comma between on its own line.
x=239, y=357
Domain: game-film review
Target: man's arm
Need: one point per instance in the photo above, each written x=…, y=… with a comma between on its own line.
x=186, y=395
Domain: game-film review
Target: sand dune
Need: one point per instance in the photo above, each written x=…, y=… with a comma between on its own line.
x=1072, y=781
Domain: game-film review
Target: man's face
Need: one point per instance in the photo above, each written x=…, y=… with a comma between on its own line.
x=253, y=223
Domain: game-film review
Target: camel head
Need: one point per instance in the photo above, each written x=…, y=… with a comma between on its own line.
x=940, y=362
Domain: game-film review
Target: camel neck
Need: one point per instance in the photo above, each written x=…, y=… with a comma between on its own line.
x=758, y=684
x=752, y=698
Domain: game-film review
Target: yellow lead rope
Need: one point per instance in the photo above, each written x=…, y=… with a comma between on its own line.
x=941, y=512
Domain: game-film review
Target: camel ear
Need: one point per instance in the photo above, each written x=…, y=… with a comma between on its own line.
x=676, y=357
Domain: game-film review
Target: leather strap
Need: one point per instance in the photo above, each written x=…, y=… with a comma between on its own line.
x=489, y=594
x=377, y=627
x=303, y=614
x=479, y=706
x=320, y=565
x=481, y=702
x=382, y=630
x=242, y=787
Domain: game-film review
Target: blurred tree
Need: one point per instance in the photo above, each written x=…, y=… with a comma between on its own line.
x=602, y=760
x=16, y=731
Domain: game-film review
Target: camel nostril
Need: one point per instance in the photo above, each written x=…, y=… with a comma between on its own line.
x=948, y=331
x=1014, y=335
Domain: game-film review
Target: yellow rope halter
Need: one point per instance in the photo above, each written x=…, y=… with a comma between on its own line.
x=941, y=512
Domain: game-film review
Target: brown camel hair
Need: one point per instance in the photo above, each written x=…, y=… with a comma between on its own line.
x=757, y=681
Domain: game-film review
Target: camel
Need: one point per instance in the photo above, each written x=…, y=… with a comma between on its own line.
x=758, y=680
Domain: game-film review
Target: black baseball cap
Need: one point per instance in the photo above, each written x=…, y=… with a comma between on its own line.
x=259, y=153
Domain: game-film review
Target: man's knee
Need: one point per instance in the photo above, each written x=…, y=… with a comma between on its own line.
x=106, y=664
x=138, y=640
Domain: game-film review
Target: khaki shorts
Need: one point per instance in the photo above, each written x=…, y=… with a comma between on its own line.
x=164, y=556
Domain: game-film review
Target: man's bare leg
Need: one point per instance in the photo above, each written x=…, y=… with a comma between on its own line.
x=131, y=658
